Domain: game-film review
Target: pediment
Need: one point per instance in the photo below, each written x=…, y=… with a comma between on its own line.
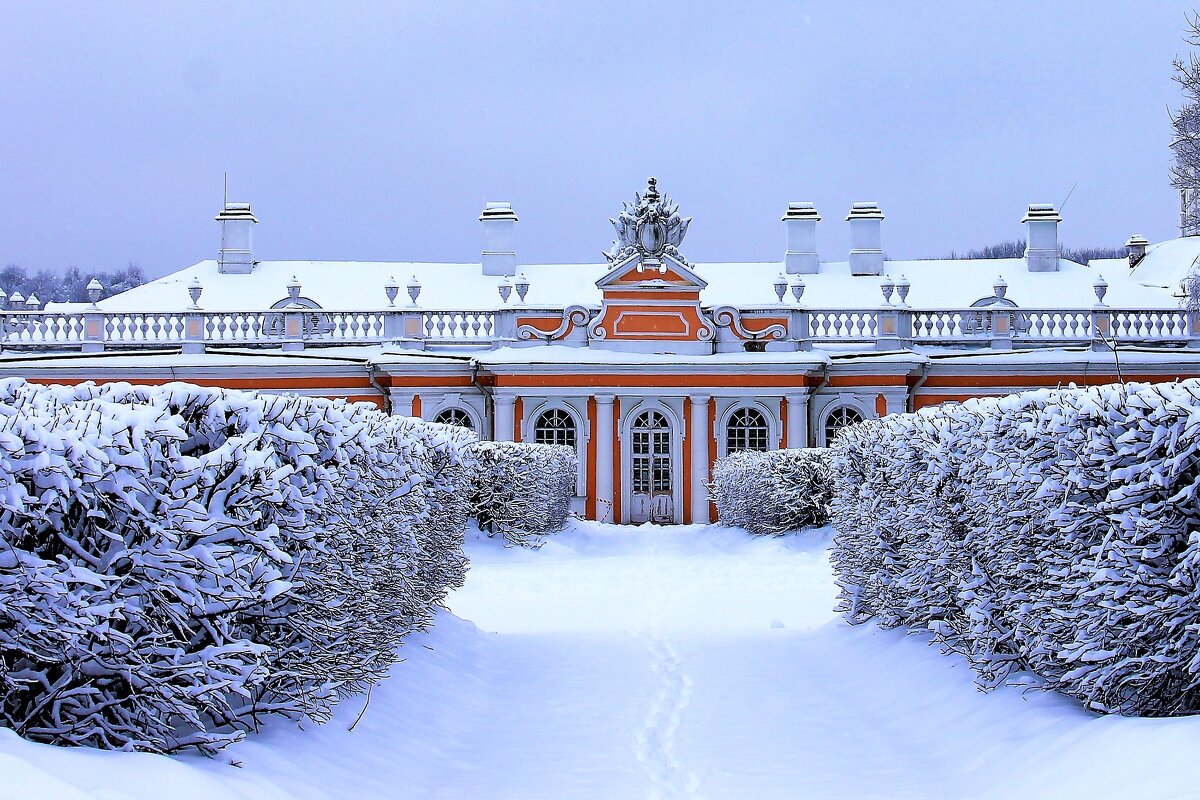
x=635, y=273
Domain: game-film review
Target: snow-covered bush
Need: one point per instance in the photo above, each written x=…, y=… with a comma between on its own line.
x=178, y=562
x=1056, y=532
x=772, y=492
x=522, y=491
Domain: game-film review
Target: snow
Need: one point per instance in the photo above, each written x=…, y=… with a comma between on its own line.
x=1167, y=263
x=657, y=663
x=936, y=283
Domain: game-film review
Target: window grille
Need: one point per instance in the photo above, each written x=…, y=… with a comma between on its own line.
x=747, y=430
x=455, y=416
x=839, y=418
x=555, y=427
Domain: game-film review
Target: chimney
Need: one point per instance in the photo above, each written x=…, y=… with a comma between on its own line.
x=1041, y=248
x=499, y=250
x=866, y=239
x=1136, y=247
x=237, y=257
x=801, y=256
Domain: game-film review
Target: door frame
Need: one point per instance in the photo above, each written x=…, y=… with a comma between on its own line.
x=674, y=418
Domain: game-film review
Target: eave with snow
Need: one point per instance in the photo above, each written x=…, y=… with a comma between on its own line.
x=654, y=358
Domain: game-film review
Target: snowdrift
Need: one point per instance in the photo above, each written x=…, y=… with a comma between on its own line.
x=772, y=492
x=1056, y=532
x=522, y=491
x=178, y=562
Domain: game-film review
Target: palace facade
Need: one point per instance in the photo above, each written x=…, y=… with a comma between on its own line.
x=651, y=366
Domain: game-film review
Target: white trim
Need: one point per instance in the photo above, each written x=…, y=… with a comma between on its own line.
x=531, y=413
x=449, y=400
x=674, y=416
x=841, y=400
x=774, y=424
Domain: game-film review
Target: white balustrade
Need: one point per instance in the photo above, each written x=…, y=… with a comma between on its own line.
x=472, y=326
x=1052, y=325
x=1166, y=325
x=844, y=325
x=965, y=326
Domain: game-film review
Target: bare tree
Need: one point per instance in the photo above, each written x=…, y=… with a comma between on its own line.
x=1185, y=141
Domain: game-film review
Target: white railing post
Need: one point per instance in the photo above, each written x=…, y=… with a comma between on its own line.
x=895, y=329
x=506, y=327
x=193, y=332
x=1193, y=328
x=1001, y=328
x=293, y=330
x=1101, y=324
x=800, y=328
x=93, y=332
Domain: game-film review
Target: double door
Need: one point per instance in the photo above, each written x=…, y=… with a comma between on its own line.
x=652, y=498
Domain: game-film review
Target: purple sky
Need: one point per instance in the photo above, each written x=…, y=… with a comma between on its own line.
x=378, y=132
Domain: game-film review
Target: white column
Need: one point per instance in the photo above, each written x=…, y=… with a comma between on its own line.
x=505, y=422
x=604, y=457
x=402, y=403
x=797, y=420
x=699, y=434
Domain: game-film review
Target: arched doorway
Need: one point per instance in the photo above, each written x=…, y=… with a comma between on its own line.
x=652, y=497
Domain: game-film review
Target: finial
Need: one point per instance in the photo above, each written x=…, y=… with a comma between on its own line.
x=94, y=290
x=652, y=188
x=780, y=286
x=887, y=286
x=195, y=289
x=797, y=288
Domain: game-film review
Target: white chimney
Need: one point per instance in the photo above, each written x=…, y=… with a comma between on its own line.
x=866, y=239
x=801, y=257
x=1041, y=249
x=499, y=248
x=1136, y=248
x=237, y=223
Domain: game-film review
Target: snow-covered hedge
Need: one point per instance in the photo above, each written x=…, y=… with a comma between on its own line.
x=178, y=562
x=772, y=492
x=1054, y=531
x=522, y=491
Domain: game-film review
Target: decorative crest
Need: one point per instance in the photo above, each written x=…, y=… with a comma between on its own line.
x=650, y=227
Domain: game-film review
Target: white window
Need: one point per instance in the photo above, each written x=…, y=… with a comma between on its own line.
x=747, y=430
x=455, y=416
x=839, y=418
x=555, y=427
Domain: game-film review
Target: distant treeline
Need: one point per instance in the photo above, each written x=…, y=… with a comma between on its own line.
x=1016, y=249
x=68, y=286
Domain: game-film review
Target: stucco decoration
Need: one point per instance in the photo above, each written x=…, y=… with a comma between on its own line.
x=730, y=317
x=650, y=228
x=573, y=316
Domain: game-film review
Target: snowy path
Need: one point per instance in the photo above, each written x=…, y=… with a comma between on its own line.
x=659, y=663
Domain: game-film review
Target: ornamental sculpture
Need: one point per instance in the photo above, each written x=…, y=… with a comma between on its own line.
x=649, y=227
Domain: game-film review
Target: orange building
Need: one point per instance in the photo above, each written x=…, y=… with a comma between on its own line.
x=649, y=365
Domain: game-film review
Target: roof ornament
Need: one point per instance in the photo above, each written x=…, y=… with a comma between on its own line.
x=649, y=227
x=94, y=290
x=195, y=289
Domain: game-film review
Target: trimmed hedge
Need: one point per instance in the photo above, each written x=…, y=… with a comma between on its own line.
x=522, y=491
x=1056, y=532
x=772, y=492
x=177, y=563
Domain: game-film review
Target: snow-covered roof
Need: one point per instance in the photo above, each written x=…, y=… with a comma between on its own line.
x=1167, y=263
x=945, y=283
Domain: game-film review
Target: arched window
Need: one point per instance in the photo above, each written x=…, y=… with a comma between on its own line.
x=747, y=430
x=455, y=416
x=554, y=427
x=840, y=418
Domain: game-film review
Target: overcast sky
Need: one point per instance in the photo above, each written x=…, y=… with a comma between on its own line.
x=377, y=132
